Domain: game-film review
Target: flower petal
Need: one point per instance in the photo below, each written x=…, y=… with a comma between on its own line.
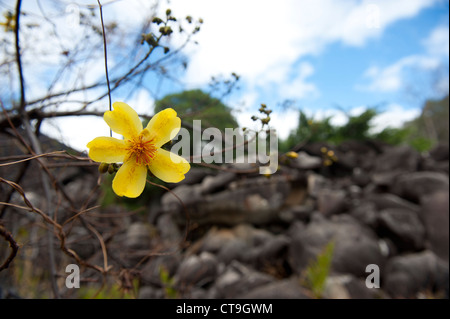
x=163, y=126
x=168, y=166
x=130, y=179
x=123, y=120
x=107, y=149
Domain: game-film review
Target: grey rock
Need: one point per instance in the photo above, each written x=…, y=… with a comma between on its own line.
x=356, y=246
x=305, y=161
x=413, y=186
x=360, y=177
x=297, y=212
x=195, y=176
x=316, y=183
x=82, y=243
x=386, y=179
x=335, y=288
x=440, y=152
x=233, y=250
x=213, y=183
x=251, y=235
x=403, y=227
x=282, y=289
x=151, y=271
x=269, y=255
x=386, y=200
x=398, y=157
x=413, y=273
x=357, y=289
x=330, y=202
x=188, y=194
x=256, y=201
x=168, y=228
x=366, y=213
x=435, y=215
x=151, y=292
x=197, y=271
x=139, y=236
x=239, y=279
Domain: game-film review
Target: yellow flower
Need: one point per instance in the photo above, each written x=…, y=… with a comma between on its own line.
x=140, y=149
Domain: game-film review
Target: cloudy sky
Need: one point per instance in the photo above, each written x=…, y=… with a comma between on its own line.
x=326, y=56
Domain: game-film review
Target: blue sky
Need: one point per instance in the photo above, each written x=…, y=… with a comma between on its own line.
x=328, y=57
x=321, y=54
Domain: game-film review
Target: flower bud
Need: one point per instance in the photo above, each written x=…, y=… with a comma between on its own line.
x=291, y=154
x=111, y=169
x=157, y=20
x=103, y=168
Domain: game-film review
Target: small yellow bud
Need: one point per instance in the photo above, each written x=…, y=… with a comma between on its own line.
x=292, y=154
x=327, y=162
x=330, y=153
x=323, y=149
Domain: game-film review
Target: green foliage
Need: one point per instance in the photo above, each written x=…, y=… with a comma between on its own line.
x=356, y=128
x=168, y=283
x=317, y=272
x=422, y=133
x=198, y=105
x=108, y=292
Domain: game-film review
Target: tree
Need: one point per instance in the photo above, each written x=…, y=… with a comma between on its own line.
x=198, y=105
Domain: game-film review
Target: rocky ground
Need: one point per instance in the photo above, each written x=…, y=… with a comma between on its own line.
x=253, y=236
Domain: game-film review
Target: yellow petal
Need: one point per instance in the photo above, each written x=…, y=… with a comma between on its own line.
x=163, y=126
x=130, y=179
x=107, y=149
x=168, y=166
x=123, y=120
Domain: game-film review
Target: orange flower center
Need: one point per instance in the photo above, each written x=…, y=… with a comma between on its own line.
x=142, y=151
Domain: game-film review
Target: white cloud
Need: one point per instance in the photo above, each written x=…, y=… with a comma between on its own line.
x=437, y=43
x=392, y=77
x=298, y=87
x=394, y=116
x=262, y=39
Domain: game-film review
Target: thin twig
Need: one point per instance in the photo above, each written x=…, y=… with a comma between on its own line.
x=18, y=56
x=12, y=243
x=105, y=51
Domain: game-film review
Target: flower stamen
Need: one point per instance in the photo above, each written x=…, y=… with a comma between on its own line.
x=142, y=151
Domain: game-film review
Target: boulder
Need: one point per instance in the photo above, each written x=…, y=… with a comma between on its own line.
x=413, y=186
x=257, y=201
x=407, y=275
x=386, y=200
x=330, y=201
x=212, y=184
x=435, y=215
x=196, y=271
x=282, y=289
x=398, y=157
x=238, y=279
x=356, y=246
x=305, y=161
x=403, y=227
x=151, y=271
